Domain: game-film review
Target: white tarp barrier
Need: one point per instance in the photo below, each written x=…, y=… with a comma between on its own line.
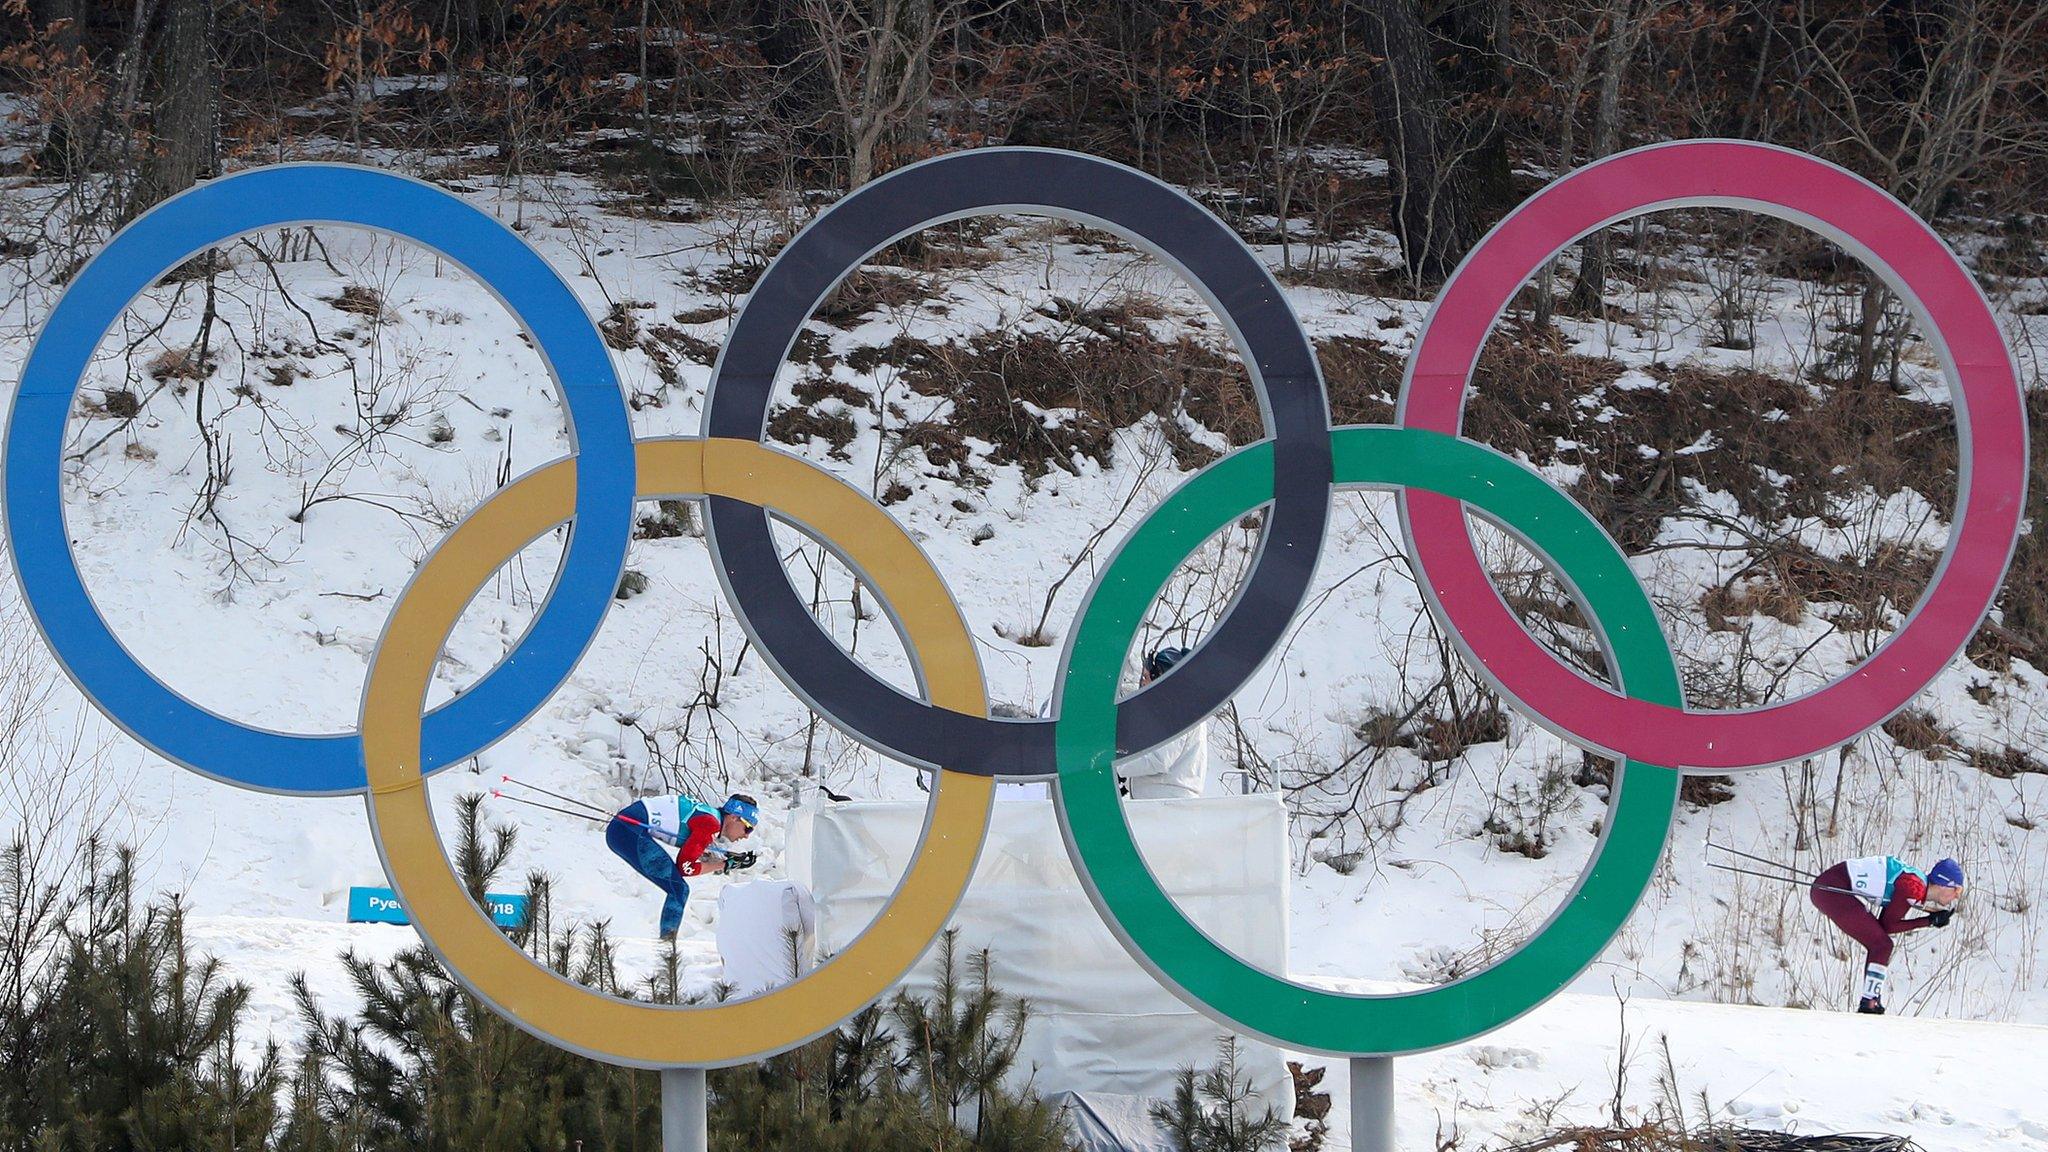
x=756, y=923
x=1101, y=1024
x=1104, y=1123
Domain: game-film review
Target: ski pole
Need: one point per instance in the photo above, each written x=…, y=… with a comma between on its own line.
x=1783, y=879
x=556, y=795
x=1761, y=860
x=566, y=811
x=1789, y=875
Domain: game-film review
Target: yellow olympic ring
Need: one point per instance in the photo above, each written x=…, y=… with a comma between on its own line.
x=489, y=964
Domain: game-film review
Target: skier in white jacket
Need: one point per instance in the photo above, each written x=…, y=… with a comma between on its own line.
x=1177, y=769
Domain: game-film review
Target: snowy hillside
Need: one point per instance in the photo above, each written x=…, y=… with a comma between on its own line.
x=244, y=521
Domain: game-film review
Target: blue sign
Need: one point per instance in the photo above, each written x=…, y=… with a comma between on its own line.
x=382, y=906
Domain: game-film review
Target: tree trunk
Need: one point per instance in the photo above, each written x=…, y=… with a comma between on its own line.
x=472, y=27
x=1433, y=209
x=915, y=132
x=62, y=23
x=646, y=93
x=1567, y=158
x=1592, y=281
x=785, y=40
x=1870, y=316
x=1762, y=34
x=182, y=129
x=1477, y=75
x=860, y=159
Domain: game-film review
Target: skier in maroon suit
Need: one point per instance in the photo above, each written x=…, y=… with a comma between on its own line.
x=1871, y=898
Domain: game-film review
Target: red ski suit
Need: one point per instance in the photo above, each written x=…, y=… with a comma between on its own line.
x=1852, y=914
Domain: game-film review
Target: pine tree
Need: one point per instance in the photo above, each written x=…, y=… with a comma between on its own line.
x=424, y=1065
x=1214, y=1110
x=868, y=1088
x=135, y=1037
x=127, y=1040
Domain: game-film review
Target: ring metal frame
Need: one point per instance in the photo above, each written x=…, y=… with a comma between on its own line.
x=1959, y=326
x=462, y=934
x=1240, y=995
x=214, y=213
x=1156, y=218
x=1440, y=479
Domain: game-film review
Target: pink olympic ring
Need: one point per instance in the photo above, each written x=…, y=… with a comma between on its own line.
x=1990, y=420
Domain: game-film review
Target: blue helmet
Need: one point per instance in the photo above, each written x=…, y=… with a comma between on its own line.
x=1947, y=874
x=1160, y=662
x=742, y=807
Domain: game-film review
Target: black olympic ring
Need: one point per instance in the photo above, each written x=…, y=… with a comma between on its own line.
x=1168, y=225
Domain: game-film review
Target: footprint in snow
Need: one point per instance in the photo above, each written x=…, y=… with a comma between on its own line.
x=1491, y=1056
x=1763, y=1109
x=1921, y=1111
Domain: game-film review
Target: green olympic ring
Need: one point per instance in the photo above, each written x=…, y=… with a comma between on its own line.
x=1180, y=955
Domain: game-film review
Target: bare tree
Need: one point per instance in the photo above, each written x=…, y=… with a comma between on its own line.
x=185, y=127
x=1274, y=69
x=1434, y=144
x=1573, y=44
x=876, y=57
x=1924, y=96
x=1623, y=21
x=60, y=25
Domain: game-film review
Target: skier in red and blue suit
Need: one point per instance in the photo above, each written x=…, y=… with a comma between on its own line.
x=636, y=834
x=1869, y=898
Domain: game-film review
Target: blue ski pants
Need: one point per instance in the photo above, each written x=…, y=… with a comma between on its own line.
x=633, y=844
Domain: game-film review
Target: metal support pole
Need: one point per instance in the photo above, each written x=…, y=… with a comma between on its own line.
x=685, y=1121
x=1372, y=1104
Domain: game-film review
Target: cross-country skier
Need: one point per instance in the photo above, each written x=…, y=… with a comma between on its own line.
x=636, y=834
x=1177, y=769
x=1869, y=898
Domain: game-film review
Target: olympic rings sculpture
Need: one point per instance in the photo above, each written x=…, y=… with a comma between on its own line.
x=1440, y=478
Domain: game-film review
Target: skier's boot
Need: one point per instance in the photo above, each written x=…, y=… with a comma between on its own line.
x=1874, y=977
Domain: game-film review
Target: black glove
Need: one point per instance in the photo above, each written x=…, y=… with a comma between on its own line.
x=740, y=861
x=1940, y=917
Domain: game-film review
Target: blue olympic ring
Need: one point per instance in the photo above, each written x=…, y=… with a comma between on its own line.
x=599, y=430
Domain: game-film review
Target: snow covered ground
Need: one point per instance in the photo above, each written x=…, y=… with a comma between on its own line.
x=1948, y=1084
x=1952, y=1085
x=365, y=424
